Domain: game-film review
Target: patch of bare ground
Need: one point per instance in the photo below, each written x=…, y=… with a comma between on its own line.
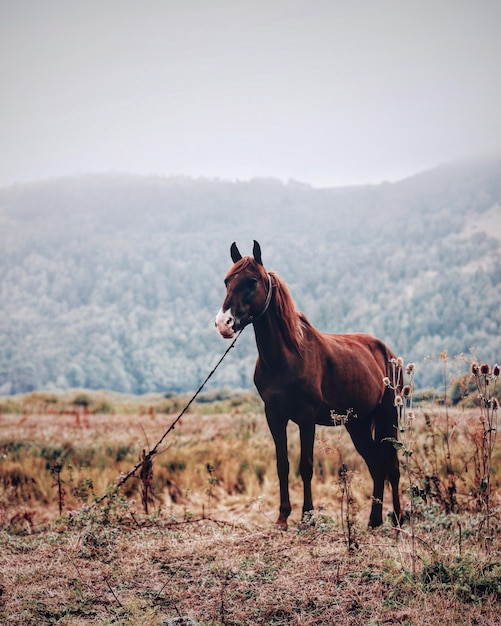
x=104, y=566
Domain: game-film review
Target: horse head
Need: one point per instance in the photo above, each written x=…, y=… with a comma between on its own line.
x=248, y=292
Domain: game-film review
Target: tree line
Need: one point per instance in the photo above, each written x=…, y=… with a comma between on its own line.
x=114, y=281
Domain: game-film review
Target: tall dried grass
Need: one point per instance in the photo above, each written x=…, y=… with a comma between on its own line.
x=201, y=541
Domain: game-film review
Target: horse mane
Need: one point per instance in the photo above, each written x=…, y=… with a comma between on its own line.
x=292, y=321
x=240, y=265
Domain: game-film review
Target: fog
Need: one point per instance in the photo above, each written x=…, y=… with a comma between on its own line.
x=324, y=92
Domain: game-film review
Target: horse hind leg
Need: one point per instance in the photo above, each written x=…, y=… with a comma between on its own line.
x=377, y=473
x=369, y=450
x=394, y=478
x=385, y=428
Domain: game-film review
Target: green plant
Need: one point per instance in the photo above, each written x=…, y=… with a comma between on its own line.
x=83, y=490
x=465, y=578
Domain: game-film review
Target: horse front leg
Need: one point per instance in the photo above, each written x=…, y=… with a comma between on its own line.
x=376, y=516
x=279, y=433
x=307, y=436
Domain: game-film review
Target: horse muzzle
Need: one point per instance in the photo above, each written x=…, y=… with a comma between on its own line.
x=226, y=324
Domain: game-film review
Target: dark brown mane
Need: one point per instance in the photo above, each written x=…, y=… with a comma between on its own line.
x=290, y=319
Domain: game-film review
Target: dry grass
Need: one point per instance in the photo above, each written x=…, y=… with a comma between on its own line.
x=97, y=448
x=208, y=548
x=89, y=572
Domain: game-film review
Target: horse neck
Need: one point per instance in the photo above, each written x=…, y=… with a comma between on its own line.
x=278, y=331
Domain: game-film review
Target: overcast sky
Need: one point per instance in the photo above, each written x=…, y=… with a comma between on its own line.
x=327, y=92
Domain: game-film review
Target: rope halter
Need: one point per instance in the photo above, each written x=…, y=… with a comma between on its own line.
x=253, y=319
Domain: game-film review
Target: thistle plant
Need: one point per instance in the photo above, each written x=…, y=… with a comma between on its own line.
x=345, y=478
x=403, y=404
x=451, y=503
x=405, y=420
x=486, y=381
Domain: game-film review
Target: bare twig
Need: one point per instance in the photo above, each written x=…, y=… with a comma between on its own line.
x=113, y=593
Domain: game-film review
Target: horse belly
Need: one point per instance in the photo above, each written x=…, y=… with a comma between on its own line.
x=292, y=401
x=354, y=386
x=326, y=417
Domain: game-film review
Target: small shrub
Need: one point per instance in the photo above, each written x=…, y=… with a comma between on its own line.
x=103, y=407
x=81, y=400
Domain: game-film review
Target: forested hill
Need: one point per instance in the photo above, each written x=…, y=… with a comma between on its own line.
x=113, y=281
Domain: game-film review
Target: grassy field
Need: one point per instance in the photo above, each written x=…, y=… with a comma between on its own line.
x=201, y=540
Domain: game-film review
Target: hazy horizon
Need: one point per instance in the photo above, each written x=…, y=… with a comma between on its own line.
x=324, y=92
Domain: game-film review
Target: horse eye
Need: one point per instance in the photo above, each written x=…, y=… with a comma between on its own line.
x=250, y=282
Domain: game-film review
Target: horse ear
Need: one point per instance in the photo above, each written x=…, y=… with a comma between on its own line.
x=235, y=254
x=256, y=251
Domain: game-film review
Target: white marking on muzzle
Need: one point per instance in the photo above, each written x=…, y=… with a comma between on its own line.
x=224, y=323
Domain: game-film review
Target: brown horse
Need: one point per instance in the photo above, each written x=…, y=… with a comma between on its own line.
x=308, y=377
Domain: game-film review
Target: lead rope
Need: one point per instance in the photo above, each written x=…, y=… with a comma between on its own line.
x=146, y=458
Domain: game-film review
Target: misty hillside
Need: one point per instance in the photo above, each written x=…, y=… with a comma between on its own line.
x=114, y=281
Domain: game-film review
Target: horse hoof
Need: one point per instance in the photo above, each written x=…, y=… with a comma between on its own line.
x=308, y=520
x=281, y=525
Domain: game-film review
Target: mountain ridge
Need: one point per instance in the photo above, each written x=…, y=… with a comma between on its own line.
x=112, y=281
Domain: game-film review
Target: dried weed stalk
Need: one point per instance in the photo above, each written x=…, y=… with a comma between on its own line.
x=347, y=507
x=486, y=380
x=403, y=392
x=56, y=471
x=146, y=477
